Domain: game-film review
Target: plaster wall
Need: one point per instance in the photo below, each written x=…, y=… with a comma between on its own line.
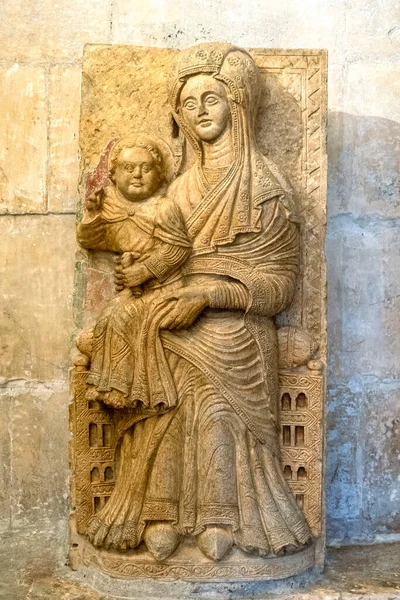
x=41, y=44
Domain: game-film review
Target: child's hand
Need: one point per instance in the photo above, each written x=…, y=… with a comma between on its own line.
x=131, y=276
x=94, y=202
x=121, y=262
x=136, y=275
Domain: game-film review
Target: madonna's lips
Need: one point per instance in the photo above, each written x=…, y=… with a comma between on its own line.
x=205, y=122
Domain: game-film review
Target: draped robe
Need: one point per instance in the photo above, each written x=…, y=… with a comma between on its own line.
x=214, y=458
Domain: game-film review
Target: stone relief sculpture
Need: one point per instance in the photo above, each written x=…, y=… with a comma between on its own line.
x=183, y=364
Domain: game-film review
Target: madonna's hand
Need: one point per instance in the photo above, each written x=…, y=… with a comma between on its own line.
x=186, y=305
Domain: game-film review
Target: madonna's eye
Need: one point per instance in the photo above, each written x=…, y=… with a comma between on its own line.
x=189, y=105
x=146, y=168
x=129, y=168
x=211, y=100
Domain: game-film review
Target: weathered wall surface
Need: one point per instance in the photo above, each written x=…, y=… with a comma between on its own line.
x=41, y=46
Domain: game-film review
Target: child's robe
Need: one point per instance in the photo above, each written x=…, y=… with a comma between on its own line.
x=127, y=351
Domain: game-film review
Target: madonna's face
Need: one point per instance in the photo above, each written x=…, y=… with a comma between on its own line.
x=204, y=107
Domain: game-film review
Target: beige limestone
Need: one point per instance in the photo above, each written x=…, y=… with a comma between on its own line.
x=381, y=448
x=37, y=275
x=366, y=150
x=5, y=461
x=374, y=29
x=40, y=461
x=122, y=98
x=23, y=122
x=283, y=24
x=367, y=322
x=63, y=163
x=51, y=31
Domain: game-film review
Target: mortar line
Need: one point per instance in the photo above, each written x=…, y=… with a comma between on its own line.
x=21, y=384
x=38, y=214
x=111, y=20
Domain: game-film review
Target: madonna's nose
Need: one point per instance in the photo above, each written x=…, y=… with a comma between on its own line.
x=201, y=110
x=137, y=172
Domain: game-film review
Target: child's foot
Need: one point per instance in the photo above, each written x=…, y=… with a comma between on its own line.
x=91, y=393
x=115, y=398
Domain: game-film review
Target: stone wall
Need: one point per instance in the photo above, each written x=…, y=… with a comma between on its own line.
x=41, y=44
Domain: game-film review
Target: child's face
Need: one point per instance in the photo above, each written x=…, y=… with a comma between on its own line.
x=136, y=175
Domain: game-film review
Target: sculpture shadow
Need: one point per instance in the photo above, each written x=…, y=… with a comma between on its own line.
x=362, y=251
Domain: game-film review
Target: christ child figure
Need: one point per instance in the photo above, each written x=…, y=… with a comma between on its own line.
x=133, y=218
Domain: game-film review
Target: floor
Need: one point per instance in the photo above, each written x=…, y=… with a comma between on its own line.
x=30, y=570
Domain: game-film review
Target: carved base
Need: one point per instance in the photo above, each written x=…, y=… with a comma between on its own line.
x=189, y=564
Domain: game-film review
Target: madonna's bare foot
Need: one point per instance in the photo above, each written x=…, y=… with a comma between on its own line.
x=215, y=542
x=161, y=539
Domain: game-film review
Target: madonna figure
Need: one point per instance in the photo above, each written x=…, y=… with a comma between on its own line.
x=209, y=467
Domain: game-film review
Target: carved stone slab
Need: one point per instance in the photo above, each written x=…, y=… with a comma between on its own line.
x=124, y=91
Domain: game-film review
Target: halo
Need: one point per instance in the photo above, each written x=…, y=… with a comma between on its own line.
x=168, y=156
